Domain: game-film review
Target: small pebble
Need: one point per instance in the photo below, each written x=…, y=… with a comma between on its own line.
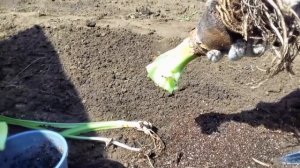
x=40, y=14
x=21, y=107
x=90, y=23
x=101, y=16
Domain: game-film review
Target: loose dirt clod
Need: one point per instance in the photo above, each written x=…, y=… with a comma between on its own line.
x=90, y=23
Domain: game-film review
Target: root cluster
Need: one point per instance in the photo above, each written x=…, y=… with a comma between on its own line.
x=267, y=22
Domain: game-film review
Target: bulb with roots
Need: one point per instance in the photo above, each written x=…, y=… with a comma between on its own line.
x=239, y=48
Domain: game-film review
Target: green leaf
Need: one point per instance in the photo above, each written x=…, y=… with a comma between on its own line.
x=3, y=135
x=37, y=124
x=93, y=126
x=167, y=68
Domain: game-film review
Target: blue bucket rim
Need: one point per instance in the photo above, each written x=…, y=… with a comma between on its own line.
x=53, y=133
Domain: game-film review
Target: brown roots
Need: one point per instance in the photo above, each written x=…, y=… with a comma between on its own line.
x=268, y=22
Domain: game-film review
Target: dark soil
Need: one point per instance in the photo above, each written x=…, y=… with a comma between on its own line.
x=43, y=156
x=55, y=67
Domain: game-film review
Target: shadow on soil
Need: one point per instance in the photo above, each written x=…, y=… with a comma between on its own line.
x=283, y=115
x=33, y=85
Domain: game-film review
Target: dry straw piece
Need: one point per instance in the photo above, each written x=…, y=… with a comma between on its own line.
x=268, y=22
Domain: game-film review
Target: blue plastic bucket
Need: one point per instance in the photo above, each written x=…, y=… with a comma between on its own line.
x=292, y=158
x=38, y=148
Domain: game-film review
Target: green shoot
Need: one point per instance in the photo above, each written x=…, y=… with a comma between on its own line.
x=3, y=135
x=38, y=124
x=74, y=130
x=167, y=68
x=96, y=126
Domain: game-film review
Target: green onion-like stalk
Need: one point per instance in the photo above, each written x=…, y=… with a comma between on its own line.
x=38, y=124
x=167, y=68
x=75, y=130
x=3, y=134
